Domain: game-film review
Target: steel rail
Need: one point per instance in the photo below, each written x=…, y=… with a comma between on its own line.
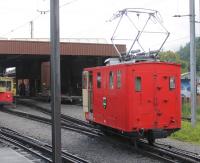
x=182, y=150
x=156, y=155
x=64, y=125
x=24, y=147
x=164, y=153
x=42, y=147
x=188, y=154
x=167, y=153
x=63, y=117
x=186, y=119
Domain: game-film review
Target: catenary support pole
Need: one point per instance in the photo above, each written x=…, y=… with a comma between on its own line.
x=193, y=62
x=31, y=25
x=55, y=80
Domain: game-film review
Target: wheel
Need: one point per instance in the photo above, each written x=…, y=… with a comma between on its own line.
x=151, y=140
x=134, y=141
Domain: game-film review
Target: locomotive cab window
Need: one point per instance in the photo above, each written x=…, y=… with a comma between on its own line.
x=90, y=83
x=172, y=83
x=119, y=82
x=138, y=84
x=84, y=80
x=111, y=80
x=98, y=80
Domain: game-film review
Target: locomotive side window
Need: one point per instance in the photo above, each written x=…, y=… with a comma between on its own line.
x=172, y=82
x=111, y=80
x=119, y=74
x=90, y=83
x=98, y=80
x=138, y=84
x=84, y=80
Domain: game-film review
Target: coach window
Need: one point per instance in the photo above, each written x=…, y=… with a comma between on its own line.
x=8, y=85
x=2, y=83
x=111, y=80
x=119, y=82
x=138, y=84
x=98, y=80
x=172, y=83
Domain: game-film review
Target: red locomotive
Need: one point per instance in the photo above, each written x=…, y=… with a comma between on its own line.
x=136, y=95
x=137, y=99
x=6, y=88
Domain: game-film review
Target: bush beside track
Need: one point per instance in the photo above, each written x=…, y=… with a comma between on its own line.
x=186, y=111
x=188, y=133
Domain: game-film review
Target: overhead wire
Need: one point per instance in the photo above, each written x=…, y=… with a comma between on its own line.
x=68, y=3
x=20, y=26
x=174, y=40
x=61, y=6
x=35, y=18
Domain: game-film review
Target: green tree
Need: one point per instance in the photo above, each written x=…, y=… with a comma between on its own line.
x=170, y=56
x=184, y=53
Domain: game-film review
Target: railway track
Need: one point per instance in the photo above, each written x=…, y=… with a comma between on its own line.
x=169, y=153
x=186, y=119
x=65, y=125
x=160, y=151
x=190, y=155
x=35, y=147
x=64, y=118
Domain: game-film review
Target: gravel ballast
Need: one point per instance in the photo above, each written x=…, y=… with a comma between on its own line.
x=96, y=150
x=91, y=148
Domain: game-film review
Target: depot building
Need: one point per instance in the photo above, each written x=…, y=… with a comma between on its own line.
x=29, y=62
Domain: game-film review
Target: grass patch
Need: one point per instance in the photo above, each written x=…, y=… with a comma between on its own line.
x=186, y=111
x=187, y=133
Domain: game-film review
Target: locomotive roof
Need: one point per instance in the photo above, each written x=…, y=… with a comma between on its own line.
x=131, y=64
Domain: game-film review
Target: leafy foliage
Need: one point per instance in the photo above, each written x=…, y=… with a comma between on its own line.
x=174, y=57
x=187, y=133
x=184, y=53
x=186, y=110
x=182, y=56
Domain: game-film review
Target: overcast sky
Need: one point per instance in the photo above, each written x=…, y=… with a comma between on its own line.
x=88, y=18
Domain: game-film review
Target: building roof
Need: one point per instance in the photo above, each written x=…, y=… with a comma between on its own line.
x=11, y=47
x=187, y=76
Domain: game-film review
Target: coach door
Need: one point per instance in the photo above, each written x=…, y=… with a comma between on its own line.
x=87, y=91
x=144, y=97
x=99, y=99
x=166, y=97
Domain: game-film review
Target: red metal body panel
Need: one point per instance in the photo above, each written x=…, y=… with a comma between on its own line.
x=156, y=105
x=6, y=97
x=114, y=113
